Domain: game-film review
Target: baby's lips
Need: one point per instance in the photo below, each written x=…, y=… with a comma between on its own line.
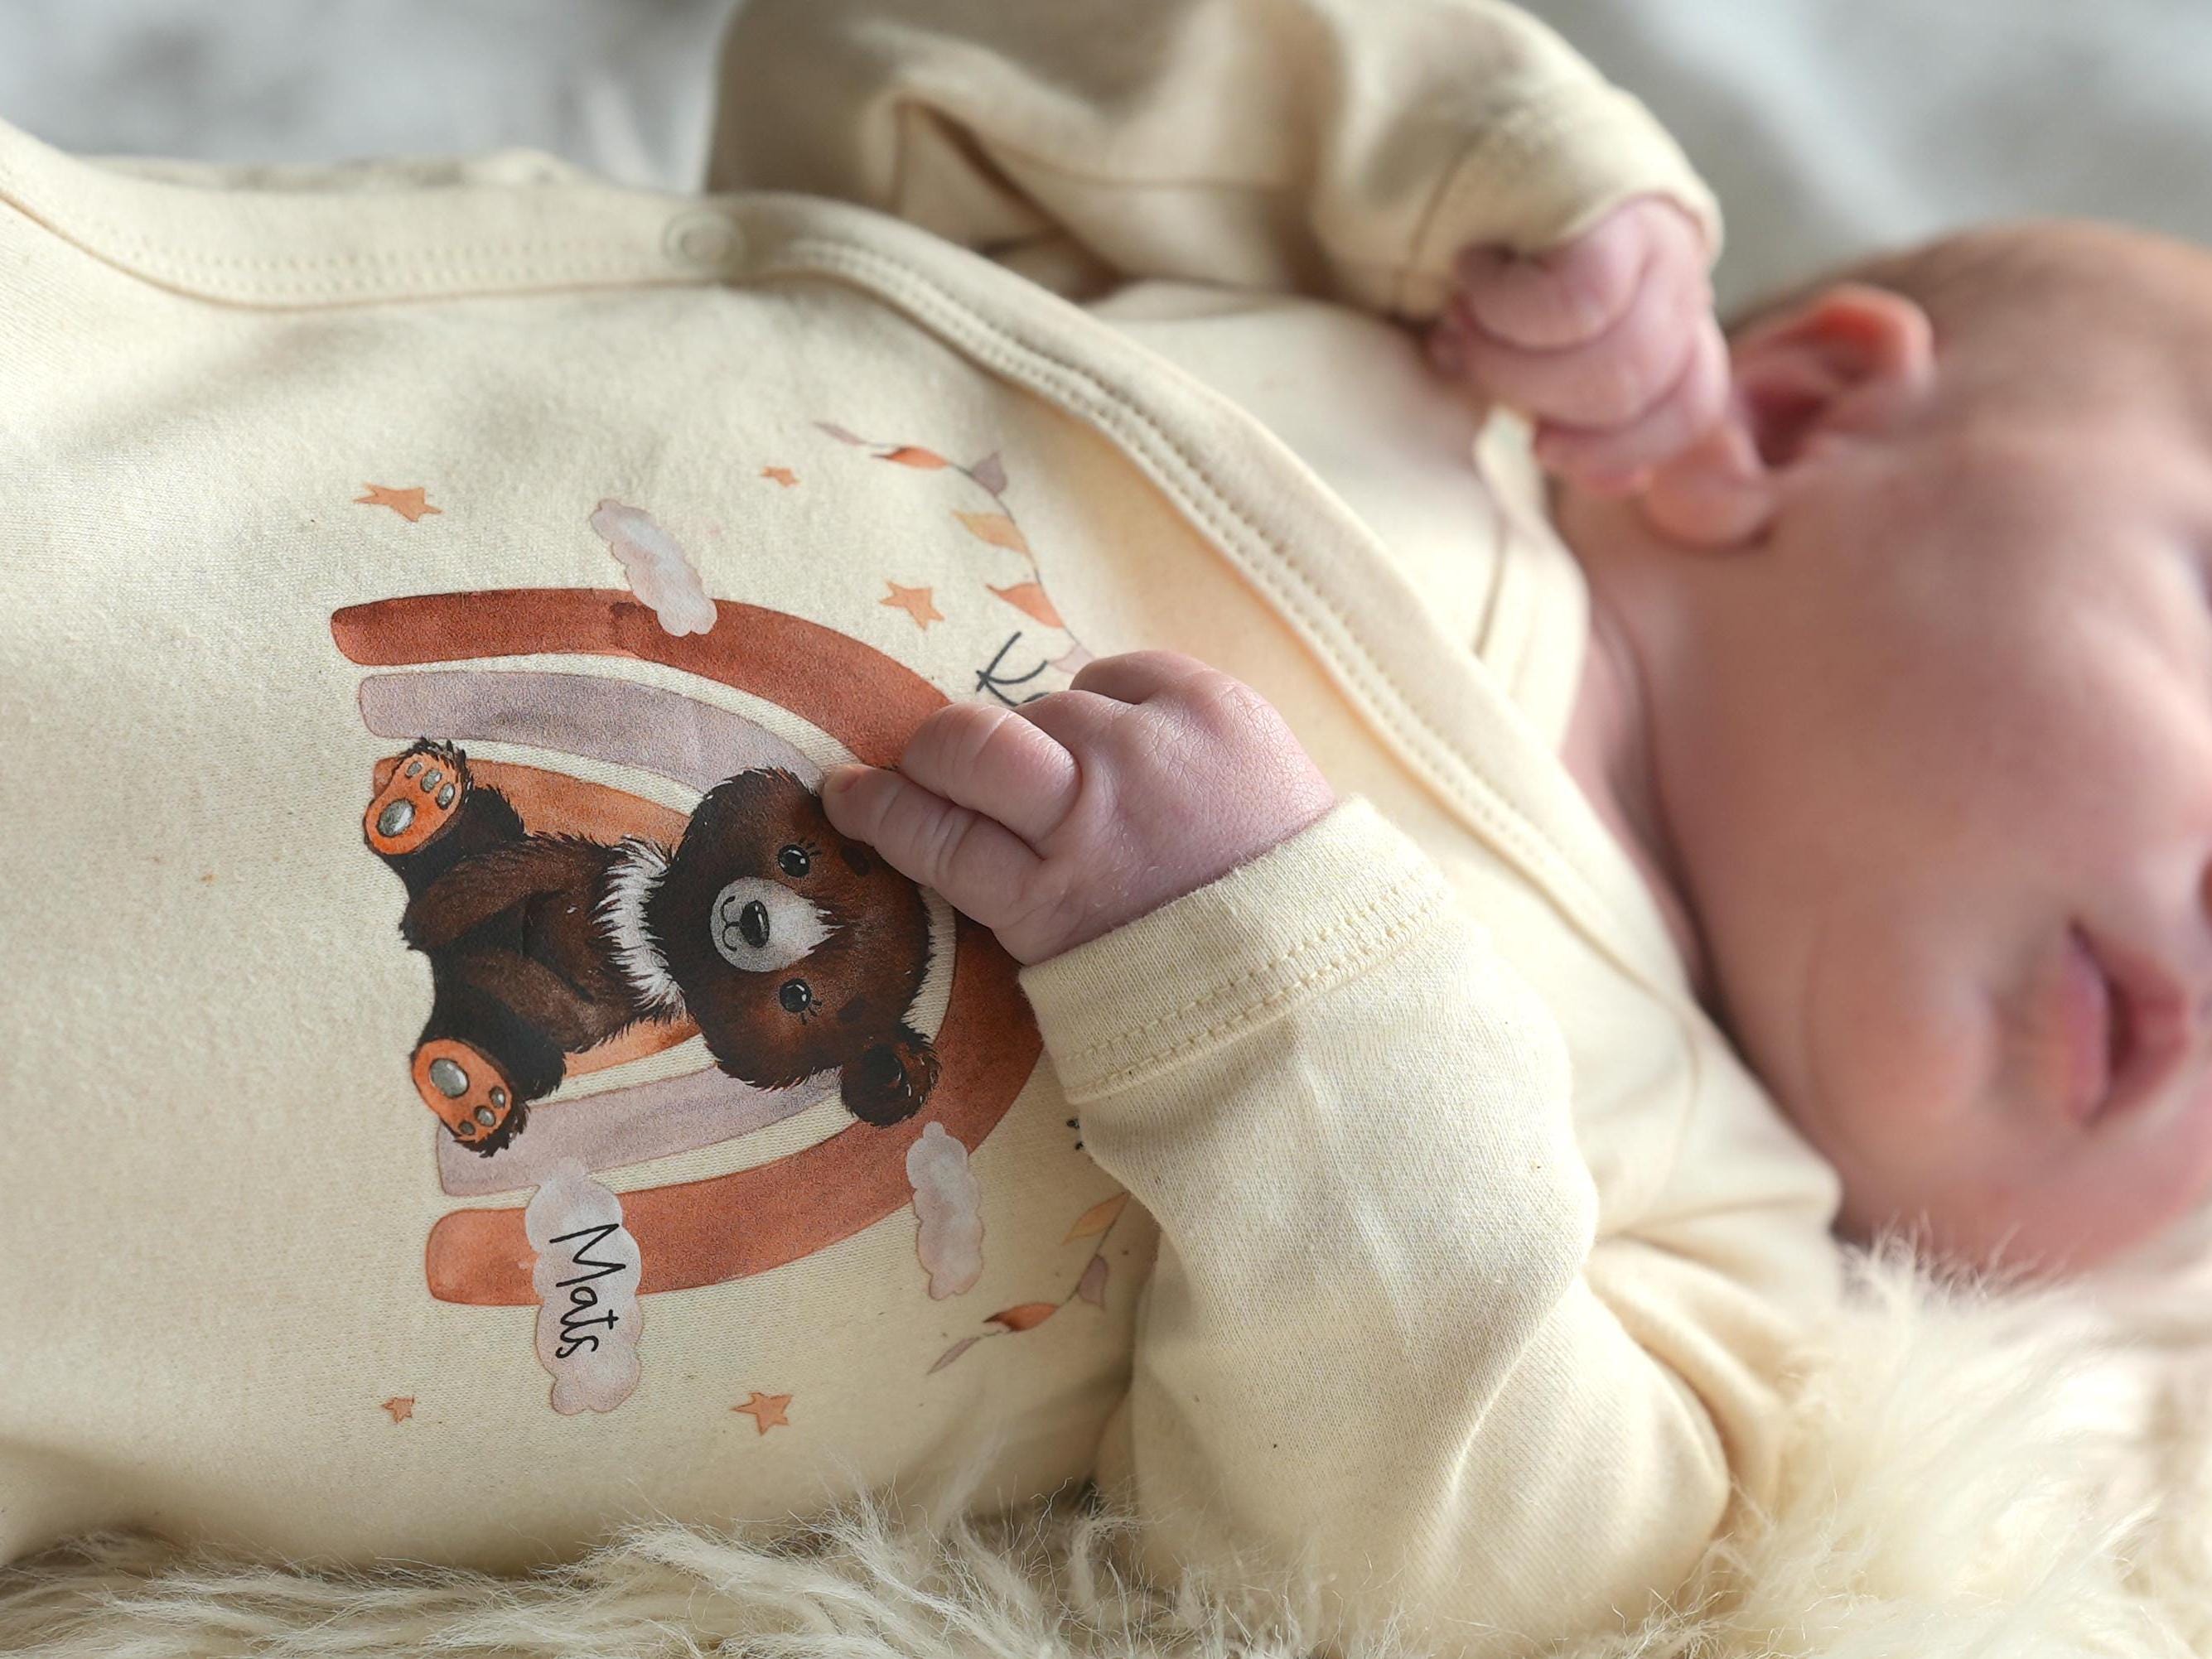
x=2158, y=1022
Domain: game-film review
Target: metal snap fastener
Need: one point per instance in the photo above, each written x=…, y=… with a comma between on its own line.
x=703, y=239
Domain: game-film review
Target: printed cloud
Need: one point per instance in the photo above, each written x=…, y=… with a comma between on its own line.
x=660, y=573
x=586, y=1282
x=947, y=1199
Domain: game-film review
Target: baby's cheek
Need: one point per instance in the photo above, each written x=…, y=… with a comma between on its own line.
x=1891, y=1076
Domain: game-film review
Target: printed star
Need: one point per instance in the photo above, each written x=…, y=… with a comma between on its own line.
x=915, y=602
x=401, y=1406
x=409, y=504
x=767, y=1410
x=782, y=475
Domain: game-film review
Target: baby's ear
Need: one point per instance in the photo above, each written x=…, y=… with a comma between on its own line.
x=1851, y=358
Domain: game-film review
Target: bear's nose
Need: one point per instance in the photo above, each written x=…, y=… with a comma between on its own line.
x=759, y=925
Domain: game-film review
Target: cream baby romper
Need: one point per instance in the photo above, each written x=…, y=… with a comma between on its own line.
x=428, y=597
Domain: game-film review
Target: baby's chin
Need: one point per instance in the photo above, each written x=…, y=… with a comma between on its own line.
x=1952, y=1135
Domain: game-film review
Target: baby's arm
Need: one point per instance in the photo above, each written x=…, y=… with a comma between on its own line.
x=1370, y=1342
x=1450, y=162
x=1334, y=148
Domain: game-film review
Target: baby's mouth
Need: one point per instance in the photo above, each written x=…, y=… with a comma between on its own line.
x=2088, y=1023
x=2127, y=1028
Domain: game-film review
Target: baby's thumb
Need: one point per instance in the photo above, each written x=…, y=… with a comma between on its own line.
x=1716, y=494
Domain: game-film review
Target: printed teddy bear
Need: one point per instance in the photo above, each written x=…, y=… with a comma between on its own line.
x=795, y=950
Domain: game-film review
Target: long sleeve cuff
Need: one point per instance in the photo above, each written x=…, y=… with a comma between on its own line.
x=1542, y=176
x=1322, y=907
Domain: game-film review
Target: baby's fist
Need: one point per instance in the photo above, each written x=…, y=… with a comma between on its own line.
x=1055, y=822
x=1608, y=342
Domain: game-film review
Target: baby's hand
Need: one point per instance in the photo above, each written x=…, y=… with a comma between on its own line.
x=1609, y=342
x=1055, y=822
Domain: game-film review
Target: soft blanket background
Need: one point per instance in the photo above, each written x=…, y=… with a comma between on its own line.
x=1972, y=1475
x=2023, y=1475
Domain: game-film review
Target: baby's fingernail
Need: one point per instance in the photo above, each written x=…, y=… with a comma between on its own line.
x=838, y=779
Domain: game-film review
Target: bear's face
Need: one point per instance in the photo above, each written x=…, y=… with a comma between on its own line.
x=797, y=951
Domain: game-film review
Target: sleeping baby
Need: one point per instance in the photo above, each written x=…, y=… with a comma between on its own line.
x=1896, y=656
x=1236, y=814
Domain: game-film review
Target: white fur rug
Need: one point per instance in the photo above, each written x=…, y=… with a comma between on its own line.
x=2022, y=1474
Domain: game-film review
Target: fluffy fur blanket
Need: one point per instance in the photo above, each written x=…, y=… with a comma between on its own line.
x=1976, y=1471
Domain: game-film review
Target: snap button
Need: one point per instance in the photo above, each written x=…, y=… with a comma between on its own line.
x=703, y=239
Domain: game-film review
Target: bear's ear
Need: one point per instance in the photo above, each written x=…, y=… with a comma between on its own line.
x=889, y=1080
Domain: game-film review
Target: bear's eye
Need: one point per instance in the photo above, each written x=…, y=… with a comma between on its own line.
x=792, y=861
x=794, y=996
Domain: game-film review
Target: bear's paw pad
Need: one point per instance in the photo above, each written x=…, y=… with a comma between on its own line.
x=421, y=797
x=468, y=1091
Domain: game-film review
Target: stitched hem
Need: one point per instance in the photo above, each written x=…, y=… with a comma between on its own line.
x=1355, y=958
x=625, y=251
x=1323, y=907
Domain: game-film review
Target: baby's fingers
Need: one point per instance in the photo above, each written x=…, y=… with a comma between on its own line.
x=981, y=866
x=1614, y=459
x=1567, y=295
x=1607, y=381
x=993, y=761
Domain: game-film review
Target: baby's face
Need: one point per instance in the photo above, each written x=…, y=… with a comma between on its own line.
x=1941, y=788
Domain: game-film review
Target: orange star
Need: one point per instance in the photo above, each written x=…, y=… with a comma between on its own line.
x=767, y=1410
x=409, y=504
x=782, y=475
x=915, y=602
x=401, y=1406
